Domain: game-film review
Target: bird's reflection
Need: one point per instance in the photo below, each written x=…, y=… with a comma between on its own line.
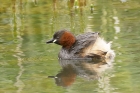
x=90, y=70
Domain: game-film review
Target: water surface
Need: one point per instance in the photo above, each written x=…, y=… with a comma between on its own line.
x=28, y=65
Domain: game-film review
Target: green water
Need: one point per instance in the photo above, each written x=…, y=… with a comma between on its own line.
x=29, y=65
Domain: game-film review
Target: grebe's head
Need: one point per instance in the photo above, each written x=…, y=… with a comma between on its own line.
x=63, y=38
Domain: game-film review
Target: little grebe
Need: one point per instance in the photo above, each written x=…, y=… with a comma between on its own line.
x=85, y=46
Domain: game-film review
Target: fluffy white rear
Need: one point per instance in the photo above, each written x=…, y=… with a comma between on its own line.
x=100, y=46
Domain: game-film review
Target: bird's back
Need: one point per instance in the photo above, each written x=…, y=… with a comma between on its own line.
x=83, y=41
x=90, y=45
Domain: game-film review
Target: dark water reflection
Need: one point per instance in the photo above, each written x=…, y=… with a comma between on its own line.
x=89, y=70
x=26, y=61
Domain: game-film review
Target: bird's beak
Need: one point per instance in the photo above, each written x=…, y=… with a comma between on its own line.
x=51, y=41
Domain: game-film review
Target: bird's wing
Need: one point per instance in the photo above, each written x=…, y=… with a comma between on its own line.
x=83, y=41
